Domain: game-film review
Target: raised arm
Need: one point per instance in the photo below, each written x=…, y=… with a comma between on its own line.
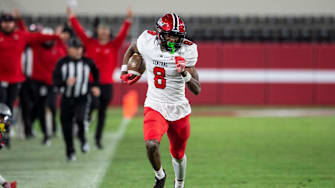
x=35, y=38
x=19, y=21
x=121, y=36
x=20, y=24
x=78, y=29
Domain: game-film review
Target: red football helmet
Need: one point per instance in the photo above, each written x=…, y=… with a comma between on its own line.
x=171, y=24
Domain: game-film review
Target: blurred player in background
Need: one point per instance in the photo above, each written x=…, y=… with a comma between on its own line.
x=5, y=121
x=26, y=92
x=170, y=64
x=12, y=44
x=71, y=75
x=45, y=57
x=104, y=52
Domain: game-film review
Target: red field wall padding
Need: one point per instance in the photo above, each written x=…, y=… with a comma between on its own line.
x=256, y=56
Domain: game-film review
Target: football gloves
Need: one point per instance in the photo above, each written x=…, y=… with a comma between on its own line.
x=181, y=64
x=129, y=79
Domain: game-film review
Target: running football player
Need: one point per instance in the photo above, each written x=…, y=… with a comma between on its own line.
x=170, y=64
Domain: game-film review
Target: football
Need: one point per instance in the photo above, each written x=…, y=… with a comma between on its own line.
x=136, y=65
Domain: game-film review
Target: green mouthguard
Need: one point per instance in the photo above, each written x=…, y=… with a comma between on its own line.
x=172, y=46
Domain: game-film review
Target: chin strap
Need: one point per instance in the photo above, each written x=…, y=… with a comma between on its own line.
x=172, y=46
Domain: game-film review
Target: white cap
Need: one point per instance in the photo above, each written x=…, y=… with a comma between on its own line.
x=47, y=31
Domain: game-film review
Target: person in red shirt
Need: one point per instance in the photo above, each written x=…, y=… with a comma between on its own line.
x=12, y=44
x=45, y=57
x=104, y=53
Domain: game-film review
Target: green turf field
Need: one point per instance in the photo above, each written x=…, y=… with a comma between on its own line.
x=222, y=152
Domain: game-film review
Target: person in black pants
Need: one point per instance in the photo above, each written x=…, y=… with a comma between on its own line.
x=52, y=106
x=101, y=104
x=71, y=75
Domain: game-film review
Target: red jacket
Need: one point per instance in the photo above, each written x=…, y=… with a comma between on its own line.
x=45, y=60
x=104, y=56
x=11, y=49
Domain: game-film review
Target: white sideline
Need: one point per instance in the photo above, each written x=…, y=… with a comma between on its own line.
x=97, y=180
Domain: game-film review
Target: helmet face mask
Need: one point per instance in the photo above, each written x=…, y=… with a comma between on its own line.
x=5, y=119
x=171, y=26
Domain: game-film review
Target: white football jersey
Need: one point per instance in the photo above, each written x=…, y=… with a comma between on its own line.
x=166, y=87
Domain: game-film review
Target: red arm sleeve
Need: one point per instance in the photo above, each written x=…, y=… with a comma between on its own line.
x=79, y=30
x=121, y=36
x=61, y=44
x=36, y=38
x=21, y=25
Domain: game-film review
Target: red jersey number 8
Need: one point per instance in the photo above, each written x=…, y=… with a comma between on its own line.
x=160, y=81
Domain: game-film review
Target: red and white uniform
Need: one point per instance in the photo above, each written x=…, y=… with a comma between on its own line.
x=166, y=87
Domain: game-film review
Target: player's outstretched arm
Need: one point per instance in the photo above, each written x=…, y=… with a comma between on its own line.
x=194, y=83
x=127, y=78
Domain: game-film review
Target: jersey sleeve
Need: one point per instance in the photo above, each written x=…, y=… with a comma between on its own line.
x=143, y=41
x=191, y=55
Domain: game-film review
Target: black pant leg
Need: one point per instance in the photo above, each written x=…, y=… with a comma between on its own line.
x=38, y=111
x=81, y=112
x=40, y=107
x=3, y=92
x=104, y=100
x=12, y=94
x=26, y=104
x=66, y=117
x=94, y=104
x=52, y=105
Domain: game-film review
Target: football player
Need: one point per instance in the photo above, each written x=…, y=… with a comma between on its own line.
x=170, y=64
x=5, y=117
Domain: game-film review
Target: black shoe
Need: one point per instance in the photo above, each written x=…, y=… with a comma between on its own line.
x=99, y=145
x=71, y=157
x=160, y=183
x=46, y=141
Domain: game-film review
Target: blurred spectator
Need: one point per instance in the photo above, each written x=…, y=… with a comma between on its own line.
x=12, y=44
x=104, y=52
x=45, y=57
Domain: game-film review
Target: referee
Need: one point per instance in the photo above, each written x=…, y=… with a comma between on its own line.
x=71, y=75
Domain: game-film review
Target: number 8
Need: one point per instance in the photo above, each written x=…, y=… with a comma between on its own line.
x=160, y=81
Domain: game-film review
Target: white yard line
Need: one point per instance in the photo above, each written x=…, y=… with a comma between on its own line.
x=35, y=166
x=97, y=180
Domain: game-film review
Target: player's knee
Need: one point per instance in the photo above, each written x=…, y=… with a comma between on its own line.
x=152, y=146
x=178, y=155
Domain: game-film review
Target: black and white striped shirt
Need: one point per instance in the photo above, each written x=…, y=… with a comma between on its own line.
x=80, y=70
